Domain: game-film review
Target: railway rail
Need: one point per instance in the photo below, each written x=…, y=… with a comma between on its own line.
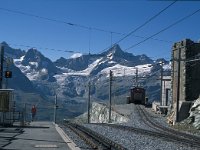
x=98, y=141
x=183, y=137
x=164, y=135
x=94, y=139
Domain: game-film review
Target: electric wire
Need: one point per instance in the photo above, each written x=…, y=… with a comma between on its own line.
x=58, y=21
x=85, y=27
x=62, y=50
x=155, y=39
x=145, y=23
x=44, y=48
x=168, y=27
x=73, y=24
x=70, y=51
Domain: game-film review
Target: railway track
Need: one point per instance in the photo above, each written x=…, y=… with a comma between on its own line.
x=164, y=135
x=92, y=138
x=183, y=137
x=98, y=141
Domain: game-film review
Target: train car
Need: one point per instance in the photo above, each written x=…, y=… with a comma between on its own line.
x=137, y=95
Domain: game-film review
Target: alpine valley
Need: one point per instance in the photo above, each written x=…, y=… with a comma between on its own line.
x=37, y=80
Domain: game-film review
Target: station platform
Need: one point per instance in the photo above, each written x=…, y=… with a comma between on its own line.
x=37, y=136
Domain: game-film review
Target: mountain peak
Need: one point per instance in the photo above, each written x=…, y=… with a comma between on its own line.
x=4, y=43
x=114, y=51
x=33, y=50
x=33, y=53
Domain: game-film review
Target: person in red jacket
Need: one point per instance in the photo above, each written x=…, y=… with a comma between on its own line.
x=33, y=111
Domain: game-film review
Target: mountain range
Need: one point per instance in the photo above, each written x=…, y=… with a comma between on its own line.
x=69, y=78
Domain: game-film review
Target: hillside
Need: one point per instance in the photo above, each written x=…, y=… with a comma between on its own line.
x=68, y=78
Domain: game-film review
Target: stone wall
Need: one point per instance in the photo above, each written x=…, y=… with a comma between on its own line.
x=187, y=75
x=100, y=113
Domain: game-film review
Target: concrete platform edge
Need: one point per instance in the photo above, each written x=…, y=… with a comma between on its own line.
x=69, y=142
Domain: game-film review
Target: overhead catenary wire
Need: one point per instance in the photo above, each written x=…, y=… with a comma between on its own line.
x=129, y=47
x=57, y=21
x=51, y=49
x=73, y=24
x=81, y=26
x=44, y=48
x=155, y=39
x=145, y=23
x=166, y=28
x=63, y=50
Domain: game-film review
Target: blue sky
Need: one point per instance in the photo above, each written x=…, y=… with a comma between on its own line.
x=120, y=16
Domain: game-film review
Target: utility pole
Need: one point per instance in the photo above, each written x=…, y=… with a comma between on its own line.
x=161, y=82
x=111, y=35
x=55, y=109
x=110, y=95
x=24, y=119
x=89, y=102
x=136, y=78
x=1, y=66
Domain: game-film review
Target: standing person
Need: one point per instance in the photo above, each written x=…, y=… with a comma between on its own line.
x=33, y=111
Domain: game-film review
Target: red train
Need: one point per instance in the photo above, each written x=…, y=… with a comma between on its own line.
x=137, y=96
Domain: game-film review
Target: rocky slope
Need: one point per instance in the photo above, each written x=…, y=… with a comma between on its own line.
x=69, y=78
x=195, y=114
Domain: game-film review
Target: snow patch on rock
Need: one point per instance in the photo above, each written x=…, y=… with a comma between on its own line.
x=195, y=113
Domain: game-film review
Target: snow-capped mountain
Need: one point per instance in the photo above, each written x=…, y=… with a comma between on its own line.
x=36, y=67
x=36, y=79
x=18, y=81
x=69, y=77
x=11, y=52
x=96, y=63
x=95, y=67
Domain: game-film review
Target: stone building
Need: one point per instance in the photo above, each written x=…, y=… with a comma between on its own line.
x=185, y=77
x=166, y=90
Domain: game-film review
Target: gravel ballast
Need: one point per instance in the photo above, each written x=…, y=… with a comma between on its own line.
x=137, y=141
x=132, y=140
